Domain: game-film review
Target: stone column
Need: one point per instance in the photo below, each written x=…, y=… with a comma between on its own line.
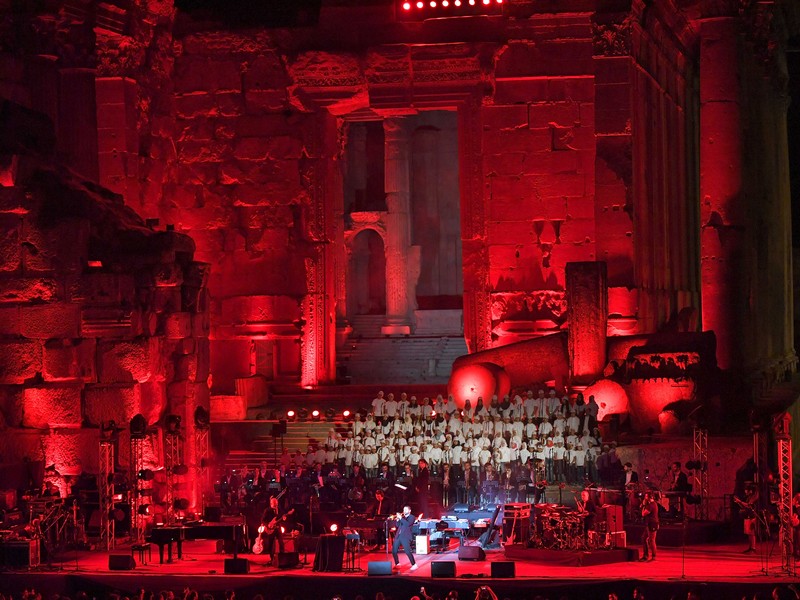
x=587, y=302
x=722, y=211
x=397, y=188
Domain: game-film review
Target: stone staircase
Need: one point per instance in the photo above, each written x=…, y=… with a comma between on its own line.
x=394, y=360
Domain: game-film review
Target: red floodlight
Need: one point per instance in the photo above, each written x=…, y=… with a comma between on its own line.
x=334, y=528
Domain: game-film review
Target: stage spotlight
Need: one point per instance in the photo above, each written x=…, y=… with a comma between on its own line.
x=144, y=510
x=315, y=414
x=138, y=426
x=406, y=6
x=334, y=528
x=302, y=414
x=291, y=415
x=173, y=424
x=180, y=470
x=347, y=415
x=201, y=418
x=180, y=504
x=145, y=475
x=330, y=414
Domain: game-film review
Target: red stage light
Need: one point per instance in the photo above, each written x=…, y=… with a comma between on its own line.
x=290, y=414
x=315, y=413
x=406, y=6
x=457, y=3
x=486, y=2
x=433, y=4
x=334, y=528
x=345, y=413
x=445, y=3
x=420, y=5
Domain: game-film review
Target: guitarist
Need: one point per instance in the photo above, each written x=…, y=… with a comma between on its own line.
x=271, y=520
x=748, y=508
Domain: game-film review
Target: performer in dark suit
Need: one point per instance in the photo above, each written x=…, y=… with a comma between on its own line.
x=270, y=531
x=680, y=487
x=402, y=537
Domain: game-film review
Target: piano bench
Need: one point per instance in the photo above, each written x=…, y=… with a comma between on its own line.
x=141, y=549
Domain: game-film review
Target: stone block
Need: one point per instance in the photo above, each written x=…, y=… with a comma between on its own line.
x=13, y=200
x=167, y=299
x=153, y=400
x=21, y=445
x=19, y=361
x=51, y=321
x=178, y=325
x=497, y=118
x=52, y=406
x=10, y=249
x=194, y=104
x=517, y=140
x=186, y=368
x=227, y=408
x=545, y=114
x=71, y=450
x=29, y=290
x=70, y=359
x=116, y=403
x=62, y=247
x=265, y=101
x=265, y=72
x=10, y=407
x=129, y=360
x=10, y=321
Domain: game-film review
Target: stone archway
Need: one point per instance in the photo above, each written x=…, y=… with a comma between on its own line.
x=366, y=274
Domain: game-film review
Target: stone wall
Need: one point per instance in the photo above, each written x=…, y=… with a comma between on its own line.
x=102, y=319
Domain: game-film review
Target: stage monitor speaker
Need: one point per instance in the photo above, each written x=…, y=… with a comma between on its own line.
x=288, y=560
x=461, y=507
x=443, y=568
x=121, y=562
x=237, y=566
x=379, y=567
x=471, y=553
x=503, y=568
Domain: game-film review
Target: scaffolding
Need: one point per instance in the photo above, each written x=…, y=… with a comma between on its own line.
x=201, y=451
x=784, y=440
x=173, y=451
x=700, y=458
x=138, y=491
x=105, y=487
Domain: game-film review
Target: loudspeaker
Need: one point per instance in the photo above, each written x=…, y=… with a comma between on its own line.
x=471, y=553
x=502, y=568
x=443, y=568
x=121, y=562
x=379, y=567
x=237, y=566
x=288, y=560
x=213, y=514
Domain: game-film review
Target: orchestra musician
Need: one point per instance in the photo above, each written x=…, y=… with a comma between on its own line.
x=422, y=485
x=588, y=510
x=650, y=516
x=402, y=537
x=680, y=486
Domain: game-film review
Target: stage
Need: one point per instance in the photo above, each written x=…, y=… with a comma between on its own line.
x=719, y=571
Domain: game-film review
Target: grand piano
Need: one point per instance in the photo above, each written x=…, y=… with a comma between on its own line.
x=165, y=535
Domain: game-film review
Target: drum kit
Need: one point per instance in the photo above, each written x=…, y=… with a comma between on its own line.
x=559, y=528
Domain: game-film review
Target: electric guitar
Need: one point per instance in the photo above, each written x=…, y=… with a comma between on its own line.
x=268, y=528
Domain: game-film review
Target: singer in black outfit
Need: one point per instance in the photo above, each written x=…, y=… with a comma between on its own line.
x=402, y=537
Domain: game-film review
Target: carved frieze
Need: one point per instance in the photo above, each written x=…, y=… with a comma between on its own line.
x=612, y=39
x=326, y=69
x=542, y=304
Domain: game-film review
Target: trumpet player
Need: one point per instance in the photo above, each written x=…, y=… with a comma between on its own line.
x=402, y=537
